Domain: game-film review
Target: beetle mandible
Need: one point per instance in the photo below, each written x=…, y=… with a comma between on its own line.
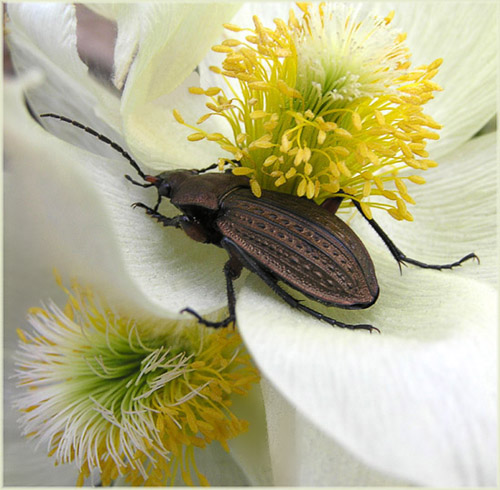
x=279, y=237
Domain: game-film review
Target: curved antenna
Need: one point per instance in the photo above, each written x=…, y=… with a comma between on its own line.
x=101, y=137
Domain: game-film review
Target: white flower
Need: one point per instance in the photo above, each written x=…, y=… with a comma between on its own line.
x=417, y=403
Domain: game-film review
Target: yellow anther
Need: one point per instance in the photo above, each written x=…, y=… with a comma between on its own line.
x=356, y=121
x=285, y=144
x=378, y=182
x=394, y=213
x=331, y=188
x=214, y=136
x=343, y=133
x=366, y=210
x=222, y=49
x=196, y=136
x=241, y=138
x=301, y=189
x=310, y=189
x=280, y=181
x=20, y=334
x=196, y=90
x=270, y=160
x=213, y=107
x=288, y=91
x=389, y=195
x=400, y=185
x=231, y=43
x=380, y=118
x=408, y=198
x=232, y=27
x=299, y=157
x=389, y=17
x=212, y=91
x=252, y=39
x=343, y=168
x=203, y=118
x=262, y=142
x=255, y=187
x=416, y=179
x=258, y=114
x=341, y=150
x=260, y=85
x=178, y=116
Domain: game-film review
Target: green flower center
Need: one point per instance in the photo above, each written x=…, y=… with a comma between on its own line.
x=104, y=394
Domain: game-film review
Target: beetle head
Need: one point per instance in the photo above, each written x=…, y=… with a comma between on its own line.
x=169, y=181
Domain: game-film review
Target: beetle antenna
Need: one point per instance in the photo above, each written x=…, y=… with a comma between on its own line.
x=101, y=137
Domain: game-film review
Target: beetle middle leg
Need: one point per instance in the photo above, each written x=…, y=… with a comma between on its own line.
x=272, y=282
x=232, y=270
x=400, y=257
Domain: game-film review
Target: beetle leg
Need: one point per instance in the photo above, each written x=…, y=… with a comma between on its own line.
x=232, y=270
x=176, y=221
x=210, y=167
x=271, y=281
x=140, y=184
x=400, y=257
x=215, y=165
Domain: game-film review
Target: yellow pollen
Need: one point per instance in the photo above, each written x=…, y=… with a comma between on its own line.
x=326, y=103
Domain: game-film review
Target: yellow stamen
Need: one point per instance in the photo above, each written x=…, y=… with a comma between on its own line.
x=331, y=96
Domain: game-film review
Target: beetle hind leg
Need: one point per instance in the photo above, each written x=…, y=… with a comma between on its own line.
x=271, y=281
x=400, y=257
x=232, y=270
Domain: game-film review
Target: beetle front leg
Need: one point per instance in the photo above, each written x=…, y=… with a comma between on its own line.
x=232, y=270
x=176, y=221
x=400, y=257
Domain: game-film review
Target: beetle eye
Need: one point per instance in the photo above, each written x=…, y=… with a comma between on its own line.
x=164, y=189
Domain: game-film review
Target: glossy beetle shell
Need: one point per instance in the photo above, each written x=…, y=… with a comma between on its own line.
x=303, y=245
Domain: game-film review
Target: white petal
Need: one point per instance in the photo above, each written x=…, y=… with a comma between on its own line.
x=416, y=402
x=303, y=455
x=161, y=142
x=75, y=210
x=173, y=39
x=43, y=37
x=465, y=36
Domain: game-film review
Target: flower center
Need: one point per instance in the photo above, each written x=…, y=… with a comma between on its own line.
x=104, y=394
x=324, y=106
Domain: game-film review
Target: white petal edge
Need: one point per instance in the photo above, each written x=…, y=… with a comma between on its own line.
x=303, y=455
x=251, y=450
x=172, y=40
x=43, y=36
x=417, y=402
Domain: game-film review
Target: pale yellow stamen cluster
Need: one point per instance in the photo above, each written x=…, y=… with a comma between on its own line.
x=324, y=106
x=104, y=394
